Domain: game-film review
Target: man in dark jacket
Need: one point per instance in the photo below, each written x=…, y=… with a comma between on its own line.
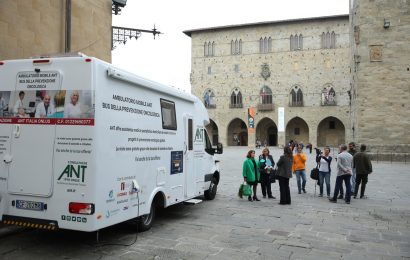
x=363, y=165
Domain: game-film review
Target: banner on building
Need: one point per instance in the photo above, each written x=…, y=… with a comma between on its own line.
x=251, y=120
x=281, y=119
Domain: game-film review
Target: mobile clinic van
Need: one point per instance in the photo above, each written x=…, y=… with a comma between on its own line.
x=84, y=145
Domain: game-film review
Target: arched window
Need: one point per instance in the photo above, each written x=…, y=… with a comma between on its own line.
x=270, y=44
x=205, y=49
x=213, y=49
x=236, y=99
x=209, y=99
x=333, y=40
x=236, y=47
x=296, y=42
x=232, y=47
x=265, y=45
x=328, y=96
x=322, y=40
x=265, y=95
x=296, y=97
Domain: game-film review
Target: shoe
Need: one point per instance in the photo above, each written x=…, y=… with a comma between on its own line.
x=354, y=197
x=299, y=192
x=282, y=203
x=264, y=196
x=328, y=196
x=333, y=200
x=363, y=197
x=304, y=191
x=340, y=196
x=256, y=198
x=320, y=195
x=271, y=197
x=347, y=202
x=249, y=198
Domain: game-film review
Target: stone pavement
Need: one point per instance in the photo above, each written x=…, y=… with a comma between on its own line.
x=233, y=228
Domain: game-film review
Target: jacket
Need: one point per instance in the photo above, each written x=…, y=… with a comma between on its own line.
x=328, y=160
x=299, y=161
x=262, y=162
x=248, y=170
x=285, y=166
x=344, y=163
x=362, y=163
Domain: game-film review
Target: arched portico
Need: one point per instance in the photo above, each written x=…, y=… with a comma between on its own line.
x=212, y=130
x=267, y=130
x=237, y=133
x=331, y=132
x=297, y=130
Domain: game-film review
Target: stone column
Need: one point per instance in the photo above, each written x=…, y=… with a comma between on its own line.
x=281, y=139
x=251, y=138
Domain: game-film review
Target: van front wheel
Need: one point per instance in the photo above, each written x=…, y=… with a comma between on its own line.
x=211, y=192
x=145, y=221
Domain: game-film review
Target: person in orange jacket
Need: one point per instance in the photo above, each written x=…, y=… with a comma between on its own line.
x=298, y=168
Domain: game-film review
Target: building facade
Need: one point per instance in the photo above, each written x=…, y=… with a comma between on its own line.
x=380, y=62
x=40, y=27
x=275, y=81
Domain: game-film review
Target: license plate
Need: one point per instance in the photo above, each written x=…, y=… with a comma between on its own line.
x=30, y=205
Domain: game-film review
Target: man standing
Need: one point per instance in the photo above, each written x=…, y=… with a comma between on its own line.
x=2, y=105
x=363, y=166
x=44, y=108
x=19, y=102
x=352, y=151
x=344, y=173
x=298, y=167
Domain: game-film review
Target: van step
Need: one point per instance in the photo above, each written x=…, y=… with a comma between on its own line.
x=193, y=201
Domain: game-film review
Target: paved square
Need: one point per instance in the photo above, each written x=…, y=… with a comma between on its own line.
x=234, y=228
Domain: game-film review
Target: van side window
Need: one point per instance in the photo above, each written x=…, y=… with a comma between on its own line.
x=169, y=120
x=208, y=145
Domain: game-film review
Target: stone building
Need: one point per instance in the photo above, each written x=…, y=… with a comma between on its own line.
x=380, y=62
x=38, y=27
x=275, y=81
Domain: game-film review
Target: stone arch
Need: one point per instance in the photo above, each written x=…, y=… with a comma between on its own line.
x=297, y=130
x=212, y=129
x=237, y=133
x=296, y=96
x=267, y=130
x=330, y=131
x=209, y=98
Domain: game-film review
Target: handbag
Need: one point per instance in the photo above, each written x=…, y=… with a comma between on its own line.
x=314, y=173
x=273, y=175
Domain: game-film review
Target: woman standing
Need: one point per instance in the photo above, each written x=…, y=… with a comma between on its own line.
x=285, y=173
x=324, y=170
x=250, y=172
x=266, y=167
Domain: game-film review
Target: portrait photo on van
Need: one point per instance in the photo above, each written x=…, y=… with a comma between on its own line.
x=4, y=103
x=79, y=104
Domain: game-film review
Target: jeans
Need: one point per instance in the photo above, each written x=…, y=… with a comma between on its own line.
x=339, y=183
x=354, y=181
x=324, y=176
x=284, y=190
x=301, y=174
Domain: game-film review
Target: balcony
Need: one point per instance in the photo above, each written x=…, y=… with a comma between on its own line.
x=240, y=105
x=266, y=107
x=329, y=103
x=210, y=106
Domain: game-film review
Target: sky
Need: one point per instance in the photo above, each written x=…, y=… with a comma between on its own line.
x=167, y=58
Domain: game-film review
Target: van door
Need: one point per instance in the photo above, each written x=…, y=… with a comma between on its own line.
x=190, y=184
x=32, y=139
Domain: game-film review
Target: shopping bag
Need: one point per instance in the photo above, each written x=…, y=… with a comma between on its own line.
x=246, y=190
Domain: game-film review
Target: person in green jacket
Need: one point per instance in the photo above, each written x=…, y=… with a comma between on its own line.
x=250, y=172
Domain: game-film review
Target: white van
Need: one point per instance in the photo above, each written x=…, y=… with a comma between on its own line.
x=84, y=145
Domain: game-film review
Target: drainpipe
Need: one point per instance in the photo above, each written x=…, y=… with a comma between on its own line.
x=67, y=45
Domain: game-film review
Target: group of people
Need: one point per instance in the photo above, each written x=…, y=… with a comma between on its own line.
x=46, y=108
x=353, y=169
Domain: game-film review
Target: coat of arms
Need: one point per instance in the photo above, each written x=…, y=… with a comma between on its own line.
x=265, y=71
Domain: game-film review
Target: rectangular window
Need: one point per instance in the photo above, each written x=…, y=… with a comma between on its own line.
x=297, y=131
x=169, y=120
x=332, y=125
x=190, y=135
x=236, y=68
x=209, y=70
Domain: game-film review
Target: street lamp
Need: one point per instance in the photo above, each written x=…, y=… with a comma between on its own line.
x=117, y=5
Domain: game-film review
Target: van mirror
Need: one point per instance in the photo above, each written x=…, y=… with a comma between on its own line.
x=219, y=148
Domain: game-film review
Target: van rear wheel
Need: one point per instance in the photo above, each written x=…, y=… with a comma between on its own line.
x=211, y=192
x=145, y=221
